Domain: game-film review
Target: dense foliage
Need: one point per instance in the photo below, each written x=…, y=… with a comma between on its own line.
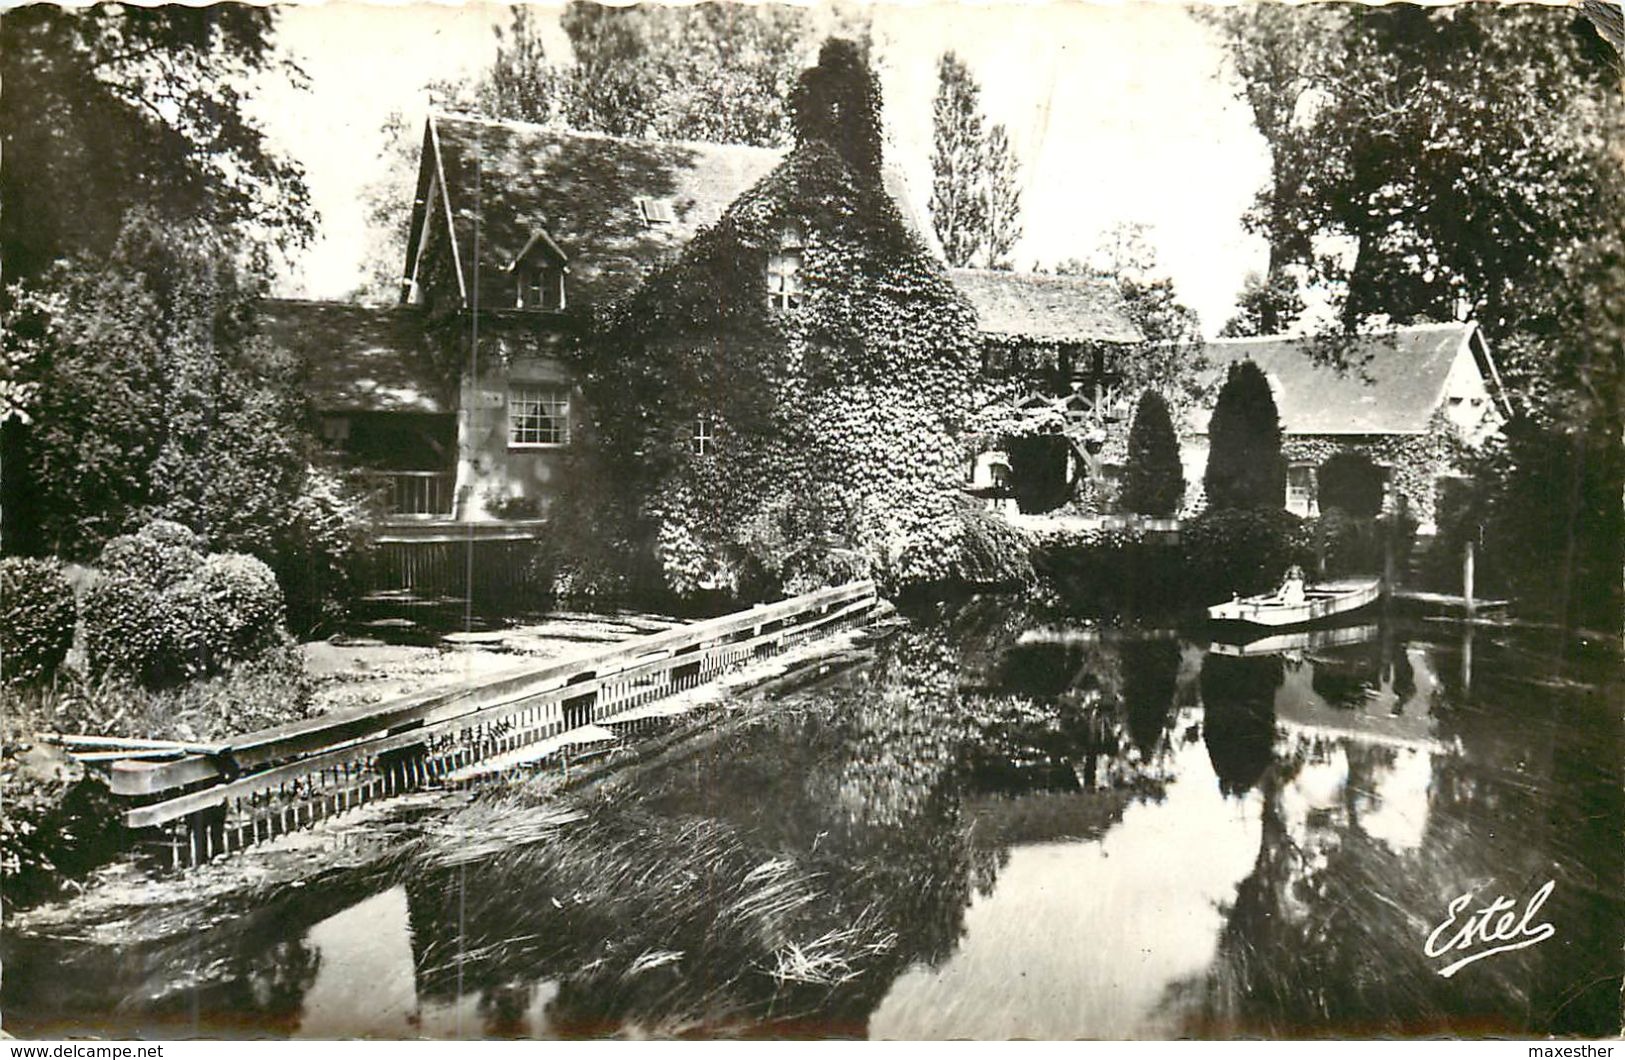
x=1512, y=216
x=37, y=617
x=1154, y=480
x=151, y=395
x=836, y=416
x=1351, y=483
x=1244, y=465
x=114, y=107
x=715, y=72
x=1172, y=360
x=1242, y=551
x=975, y=194
x=1216, y=554
x=162, y=611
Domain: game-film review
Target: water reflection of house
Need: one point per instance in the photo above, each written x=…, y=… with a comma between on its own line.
x=1406, y=393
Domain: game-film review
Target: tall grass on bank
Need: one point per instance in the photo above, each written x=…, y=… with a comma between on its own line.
x=671, y=925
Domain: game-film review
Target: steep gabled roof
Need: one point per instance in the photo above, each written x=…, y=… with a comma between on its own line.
x=1041, y=308
x=583, y=189
x=361, y=358
x=591, y=195
x=1394, y=384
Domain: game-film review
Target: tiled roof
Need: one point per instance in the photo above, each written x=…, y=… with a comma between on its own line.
x=584, y=191
x=361, y=358
x=1042, y=308
x=1393, y=385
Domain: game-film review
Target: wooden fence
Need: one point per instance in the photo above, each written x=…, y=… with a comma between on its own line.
x=499, y=574
x=266, y=783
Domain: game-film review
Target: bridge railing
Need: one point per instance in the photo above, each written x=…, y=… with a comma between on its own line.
x=275, y=780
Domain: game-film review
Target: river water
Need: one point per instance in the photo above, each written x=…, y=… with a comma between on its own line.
x=989, y=823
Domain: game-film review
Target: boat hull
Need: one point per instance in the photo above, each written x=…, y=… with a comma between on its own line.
x=1321, y=602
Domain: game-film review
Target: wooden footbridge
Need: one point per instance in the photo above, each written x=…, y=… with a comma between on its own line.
x=222, y=798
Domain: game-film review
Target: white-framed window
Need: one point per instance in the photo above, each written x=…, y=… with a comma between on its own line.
x=703, y=436
x=541, y=287
x=538, y=415
x=1300, y=489
x=784, y=270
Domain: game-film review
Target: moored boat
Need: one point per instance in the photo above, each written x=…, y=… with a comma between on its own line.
x=1319, y=602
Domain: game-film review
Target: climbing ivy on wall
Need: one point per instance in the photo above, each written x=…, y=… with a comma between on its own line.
x=838, y=421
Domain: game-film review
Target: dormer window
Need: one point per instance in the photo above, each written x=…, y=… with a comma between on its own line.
x=541, y=287
x=538, y=274
x=784, y=269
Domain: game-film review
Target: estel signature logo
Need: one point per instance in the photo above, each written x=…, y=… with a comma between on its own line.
x=1492, y=924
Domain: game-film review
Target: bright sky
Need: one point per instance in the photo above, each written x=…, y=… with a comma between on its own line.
x=1117, y=112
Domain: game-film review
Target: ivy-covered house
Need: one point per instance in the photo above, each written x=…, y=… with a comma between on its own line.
x=461, y=405
x=1406, y=399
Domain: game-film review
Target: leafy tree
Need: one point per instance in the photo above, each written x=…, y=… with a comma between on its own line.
x=1351, y=483
x=1280, y=57
x=1003, y=194
x=716, y=72
x=1453, y=181
x=1264, y=307
x=975, y=195
x=1244, y=464
x=1490, y=189
x=1154, y=480
x=387, y=201
x=115, y=106
x=956, y=158
x=1171, y=359
x=110, y=112
x=153, y=396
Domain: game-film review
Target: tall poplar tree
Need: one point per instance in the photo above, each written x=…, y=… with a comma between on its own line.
x=975, y=187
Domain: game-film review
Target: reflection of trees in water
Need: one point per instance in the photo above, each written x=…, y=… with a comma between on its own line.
x=1150, y=682
x=1238, y=717
x=1349, y=676
x=670, y=925
x=791, y=867
x=802, y=859
x=202, y=966
x=1326, y=935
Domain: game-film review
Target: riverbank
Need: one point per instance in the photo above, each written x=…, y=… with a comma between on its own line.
x=356, y=671
x=122, y=903
x=56, y=822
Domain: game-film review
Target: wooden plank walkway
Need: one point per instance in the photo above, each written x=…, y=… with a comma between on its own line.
x=265, y=783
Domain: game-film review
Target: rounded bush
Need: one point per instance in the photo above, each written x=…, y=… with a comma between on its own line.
x=159, y=554
x=36, y=618
x=1242, y=550
x=244, y=594
x=162, y=611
